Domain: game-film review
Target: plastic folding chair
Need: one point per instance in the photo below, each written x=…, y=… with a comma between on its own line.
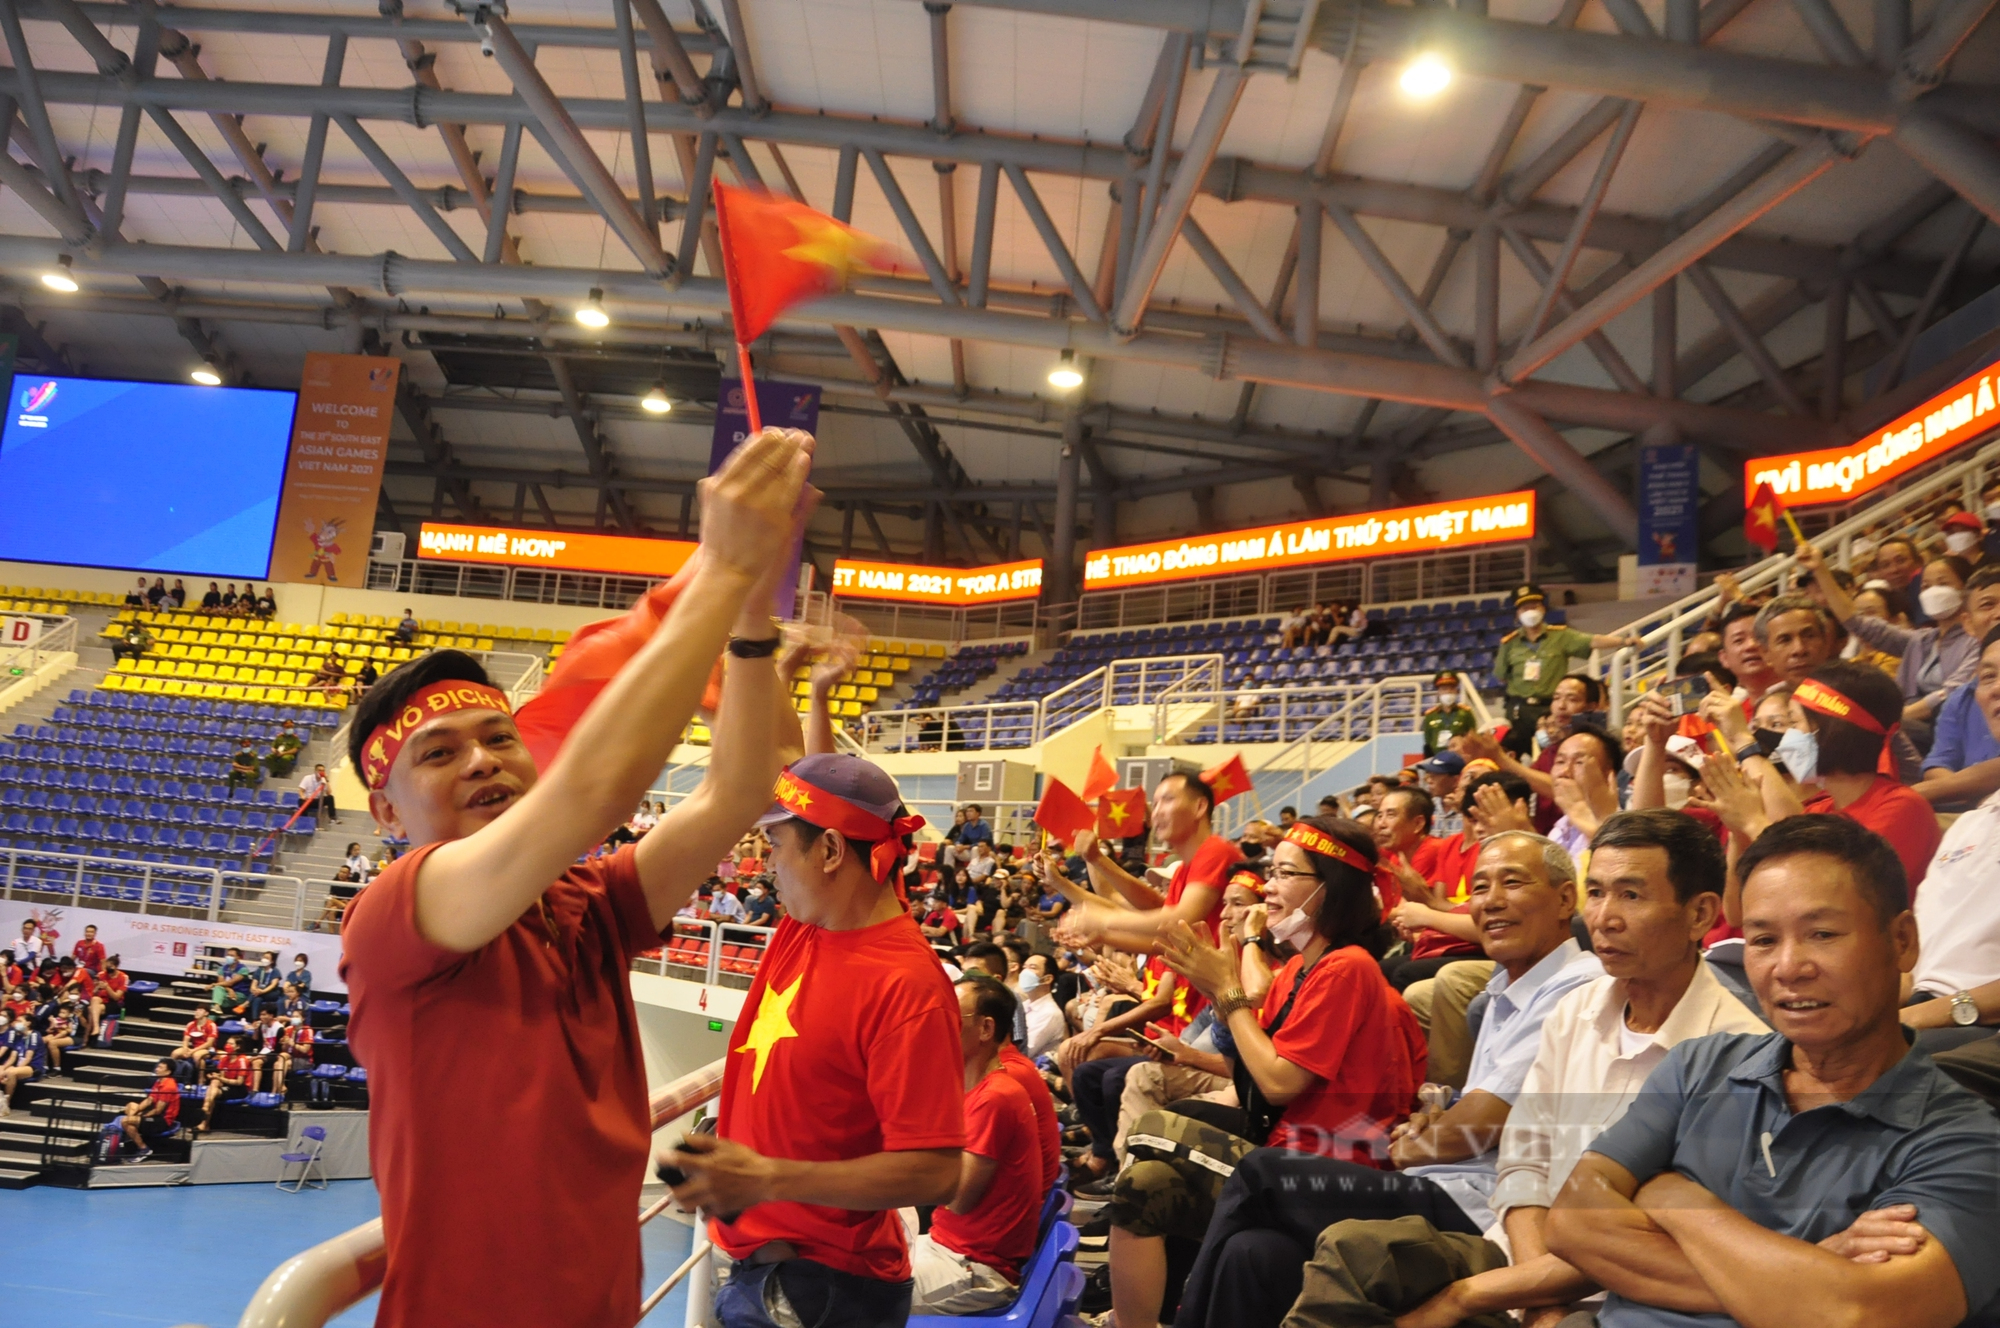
x=307, y=1162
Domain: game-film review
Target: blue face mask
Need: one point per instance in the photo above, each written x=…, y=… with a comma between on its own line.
x=1799, y=751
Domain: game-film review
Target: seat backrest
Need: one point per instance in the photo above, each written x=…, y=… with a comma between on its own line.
x=317, y=1132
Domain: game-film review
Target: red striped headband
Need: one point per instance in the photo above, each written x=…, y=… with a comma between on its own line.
x=830, y=811
x=1315, y=840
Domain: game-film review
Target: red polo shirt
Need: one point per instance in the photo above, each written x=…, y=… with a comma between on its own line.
x=508, y=1124
x=1451, y=873
x=89, y=954
x=848, y=1045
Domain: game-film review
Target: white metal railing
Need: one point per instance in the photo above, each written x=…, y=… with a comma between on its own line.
x=1386, y=706
x=120, y=885
x=711, y=934
x=313, y=1286
x=962, y=728
x=527, y=585
x=58, y=635
x=1664, y=629
x=991, y=622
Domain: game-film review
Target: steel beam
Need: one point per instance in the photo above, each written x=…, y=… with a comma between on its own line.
x=694, y=218
x=406, y=189
x=913, y=229
x=1151, y=260
x=34, y=108
x=1232, y=285
x=1532, y=434
x=635, y=110
x=1586, y=212
x=1052, y=240
x=1800, y=169
x=1829, y=32
x=306, y=195
x=980, y=277
x=739, y=51
x=586, y=436
x=1747, y=341
x=1956, y=155
x=1385, y=272
x=1920, y=317
x=1607, y=355
x=571, y=148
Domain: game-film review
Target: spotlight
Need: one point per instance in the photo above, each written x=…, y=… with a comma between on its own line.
x=1066, y=377
x=656, y=400
x=1425, y=76
x=207, y=376
x=59, y=278
x=592, y=313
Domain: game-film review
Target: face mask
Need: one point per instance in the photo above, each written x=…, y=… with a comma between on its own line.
x=298, y=1019
x=1940, y=601
x=1295, y=928
x=1678, y=787
x=1031, y=981
x=1799, y=751
x=1768, y=740
x=1960, y=541
x=1448, y=698
x=1531, y=617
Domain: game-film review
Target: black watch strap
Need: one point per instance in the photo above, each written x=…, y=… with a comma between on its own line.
x=746, y=648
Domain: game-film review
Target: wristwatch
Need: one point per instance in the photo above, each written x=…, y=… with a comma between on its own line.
x=745, y=648
x=1964, y=1010
x=1230, y=1001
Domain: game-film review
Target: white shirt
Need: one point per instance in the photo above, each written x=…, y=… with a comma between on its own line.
x=311, y=786
x=725, y=905
x=1958, y=910
x=1582, y=1079
x=1046, y=1026
x=360, y=866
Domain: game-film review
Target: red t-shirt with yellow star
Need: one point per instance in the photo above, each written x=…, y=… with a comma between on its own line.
x=847, y=1046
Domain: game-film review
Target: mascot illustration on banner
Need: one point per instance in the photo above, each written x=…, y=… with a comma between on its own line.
x=325, y=538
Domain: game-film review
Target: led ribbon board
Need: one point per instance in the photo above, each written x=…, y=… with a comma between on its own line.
x=949, y=587
x=1494, y=519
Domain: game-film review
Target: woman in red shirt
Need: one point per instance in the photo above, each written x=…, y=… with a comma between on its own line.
x=1328, y=1063
x=230, y=1081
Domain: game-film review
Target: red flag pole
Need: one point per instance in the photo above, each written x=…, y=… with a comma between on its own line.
x=749, y=387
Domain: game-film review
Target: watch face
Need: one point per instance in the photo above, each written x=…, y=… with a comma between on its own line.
x=1964, y=1011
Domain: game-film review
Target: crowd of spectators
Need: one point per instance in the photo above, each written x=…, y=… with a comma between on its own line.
x=1686, y=1019
x=51, y=1002
x=246, y=603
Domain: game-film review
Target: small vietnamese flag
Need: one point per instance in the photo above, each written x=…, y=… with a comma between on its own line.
x=1063, y=814
x=1228, y=779
x=1121, y=814
x=1101, y=779
x=777, y=253
x=1760, y=522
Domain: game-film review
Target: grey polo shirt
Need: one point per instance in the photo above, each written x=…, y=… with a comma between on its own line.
x=1912, y=1137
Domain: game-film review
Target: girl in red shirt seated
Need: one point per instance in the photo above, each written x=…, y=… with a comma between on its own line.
x=1327, y=1063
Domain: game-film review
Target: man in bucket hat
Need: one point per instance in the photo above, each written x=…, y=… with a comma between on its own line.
x=842, y=1099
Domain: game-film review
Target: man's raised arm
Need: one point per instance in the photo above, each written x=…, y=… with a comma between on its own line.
x=470, y=890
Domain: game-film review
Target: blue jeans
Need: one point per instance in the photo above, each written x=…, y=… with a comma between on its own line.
x=820, y=1297
x=1097, y=1086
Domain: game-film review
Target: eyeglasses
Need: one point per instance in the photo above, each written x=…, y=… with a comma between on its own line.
x=1287, y=874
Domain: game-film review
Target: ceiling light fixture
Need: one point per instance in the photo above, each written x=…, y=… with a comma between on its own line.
x=1425, y=76
x=1066, y=377
x=592, y=313
x=59, y=277
x=656, y=400
x=206, y=376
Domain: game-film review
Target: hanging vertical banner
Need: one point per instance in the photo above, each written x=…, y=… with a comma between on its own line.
x=1669, y=519
x=340, y=441
x=782, y=406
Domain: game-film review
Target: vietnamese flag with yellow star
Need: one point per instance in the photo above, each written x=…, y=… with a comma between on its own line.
x=1101, y=779
x=1062, y=813
x=1121, y=813
x=777, y=253
x=1229, y=779
x=1760, y=520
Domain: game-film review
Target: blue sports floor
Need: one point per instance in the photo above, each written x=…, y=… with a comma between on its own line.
x=195, y=1253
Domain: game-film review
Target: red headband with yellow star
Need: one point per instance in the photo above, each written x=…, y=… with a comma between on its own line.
x=1250, y=881
x=1315, y=840
x=440, y=698
x=830, y=811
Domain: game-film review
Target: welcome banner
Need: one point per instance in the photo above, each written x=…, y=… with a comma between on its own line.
x=340, y=441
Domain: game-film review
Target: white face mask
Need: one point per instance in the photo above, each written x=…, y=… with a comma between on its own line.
x=1448, y=697
x=1531, y=617
x=1678, y=788
x=1031, y=981
x=1960, y=541
x=1295, y=928
x=1940, y=601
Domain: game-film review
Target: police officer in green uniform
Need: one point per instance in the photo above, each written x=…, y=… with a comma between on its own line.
x=1449, y=718
x=1531, y=661
x=284, y=752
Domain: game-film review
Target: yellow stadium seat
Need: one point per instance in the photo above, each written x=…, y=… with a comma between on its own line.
x=337, y=619
x=544, y=635
x=849, y=709
x=152, y=686
x=484, y=643
x=562, y=636
x=375, y=620
x=112, y=682
x=844, y=692
x=488, y=629
x=125, y=666
x=146, y=666
x=868, y=695
x=898, y=664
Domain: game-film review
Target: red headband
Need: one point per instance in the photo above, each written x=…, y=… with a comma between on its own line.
x=440, y=698
x=1822, y=699
x=830, y=811
x=1250, y=881
x=1315, y=840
